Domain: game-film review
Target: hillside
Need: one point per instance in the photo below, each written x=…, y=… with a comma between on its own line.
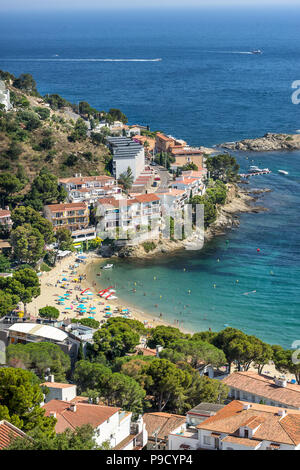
x=33, y=135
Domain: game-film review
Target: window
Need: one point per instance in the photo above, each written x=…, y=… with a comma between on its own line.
x=207, y=440
x=246, y=433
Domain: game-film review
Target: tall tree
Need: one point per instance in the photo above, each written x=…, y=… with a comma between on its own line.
x=28, y=244
x=20, y=401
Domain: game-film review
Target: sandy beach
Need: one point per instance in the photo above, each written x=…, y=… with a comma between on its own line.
x=62, y=287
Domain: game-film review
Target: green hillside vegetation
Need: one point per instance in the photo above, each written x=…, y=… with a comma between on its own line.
x=46, y=132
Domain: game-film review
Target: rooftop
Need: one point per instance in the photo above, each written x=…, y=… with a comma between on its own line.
x=206, y=407
x=162, y=423
x=86, y=179
x=147, y=198
x=269, y=424
x=66, y=207
x=8, y=433
x=57, y=385
x=43, y=331
x=85, y=414
x=4, y=213
x=264, y=386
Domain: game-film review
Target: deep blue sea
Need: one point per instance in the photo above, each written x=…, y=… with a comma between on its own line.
x=208, y=88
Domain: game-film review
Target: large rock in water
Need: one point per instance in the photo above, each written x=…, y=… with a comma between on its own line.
x=269, y=142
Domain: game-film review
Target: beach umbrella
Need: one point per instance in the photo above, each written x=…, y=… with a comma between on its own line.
x=92, y=308
x=92, y=318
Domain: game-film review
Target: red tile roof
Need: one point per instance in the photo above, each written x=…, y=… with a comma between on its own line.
x=4, y=213
x=66, y=207
x=8, y=433
x=264, y=386
x=270, y=425
x=162, y=423
x=147, y=198
x=85, y=414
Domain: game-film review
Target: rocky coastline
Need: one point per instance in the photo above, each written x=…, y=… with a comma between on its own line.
x=269, y=142
x=238, y=201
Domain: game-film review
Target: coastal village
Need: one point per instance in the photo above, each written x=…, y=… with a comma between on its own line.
x=113, y=376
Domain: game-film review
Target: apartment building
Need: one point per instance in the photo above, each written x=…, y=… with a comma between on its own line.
x=73, y=216
x=126, y=154
x=128, y=214
x=242, y=426
x=90, y=188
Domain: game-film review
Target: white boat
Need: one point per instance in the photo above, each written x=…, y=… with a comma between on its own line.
x=257, y=51
x=283, y=172
x=107, y=266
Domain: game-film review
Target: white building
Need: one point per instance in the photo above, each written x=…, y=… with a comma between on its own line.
x=242, y=426
x=173, y=200
x=193, y=186
x=126, y=153
x=258, y=388
x=134, y=214
x=4, y=96
x=59, y=391
x=90, y=188
x=111, y=424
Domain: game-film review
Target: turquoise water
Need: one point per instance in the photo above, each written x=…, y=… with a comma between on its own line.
x=216, y=298
x=207, y=89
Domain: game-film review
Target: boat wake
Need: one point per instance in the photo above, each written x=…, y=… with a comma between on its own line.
x=231, y=52
x=83, y=60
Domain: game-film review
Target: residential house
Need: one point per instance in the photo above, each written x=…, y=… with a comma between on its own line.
x=59, y=391
x=256, y=388
x=5, y=96
x=111, y=424
x=144, y=139
x=185, y=155
x=193, y=186
x=243, y=426
x=159, y=426
x=5, y=218
x=8, y=433
x=164, y=143
x=90, y=188
x=126, y=153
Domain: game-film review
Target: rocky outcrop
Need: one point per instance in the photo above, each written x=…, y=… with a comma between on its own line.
x=269, y=142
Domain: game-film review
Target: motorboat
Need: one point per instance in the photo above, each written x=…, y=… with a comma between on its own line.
x=283, y=172
x=107, y=266
x=257, y=51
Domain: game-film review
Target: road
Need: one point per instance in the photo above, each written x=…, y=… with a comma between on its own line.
x=165, y=178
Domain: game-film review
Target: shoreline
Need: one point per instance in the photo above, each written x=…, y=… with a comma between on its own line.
x=268, y=143
x=52, y=287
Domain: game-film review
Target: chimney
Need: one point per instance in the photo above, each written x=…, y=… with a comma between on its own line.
x=280, y=381
x=73, y=407
x=51, y=378
x=52, y=413
x=246, y=406
x=281, y=413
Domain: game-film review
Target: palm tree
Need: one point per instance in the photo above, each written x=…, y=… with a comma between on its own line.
x=126, y=179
